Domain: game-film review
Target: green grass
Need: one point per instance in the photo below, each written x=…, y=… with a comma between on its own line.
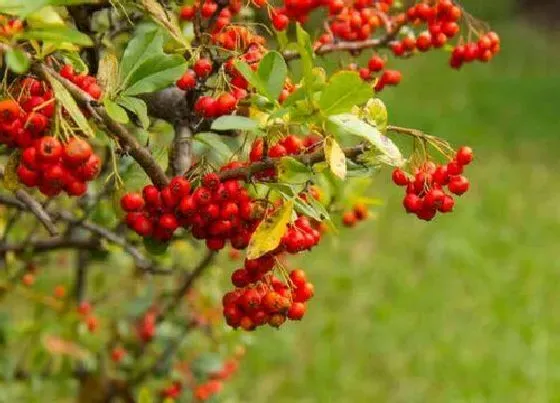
x=464, y=309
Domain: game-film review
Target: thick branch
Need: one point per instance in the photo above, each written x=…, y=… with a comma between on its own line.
x=248, y=171
x=181, y=153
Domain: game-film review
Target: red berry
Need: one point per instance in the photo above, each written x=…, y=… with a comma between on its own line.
x=280, y=21
x=187, y=81
x=168, y=222
x=277, y=151
x=349, y=219
x=464, y=155
x=412, y=203
x=203, y=67
x=296, y=311
x=447, y=204
x=187, y=13
x=208, y=8
x=376, y=64
x=132, y=202
x=458, y=185
x=454, y=168
x=48, y=149
x=399, y=177
x=76, y=152
x=215, y=243
x=67, y=71
x=27, y=176
x=298, y=277
x=226, y=103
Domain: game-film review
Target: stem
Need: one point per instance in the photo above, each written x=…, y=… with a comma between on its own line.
x=180, y=159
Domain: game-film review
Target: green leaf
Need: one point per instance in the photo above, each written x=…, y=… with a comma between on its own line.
x=291, y=170
x=272, y=72
x=167, y=20
x=143, y=45
x=63, y=96
x=57, y=34
x=24, y=7
x=155, y=247
x=234, y=123
x=270, y=231
x=346, y=124
x=252, y=77
x=213, y=143
x=344, y=90
x=136, y=106
x=305, y=49
x=375, y=113
x=155, y=73
x=116, y=112
x=335, y=157
x=17, y=60
x=145, y=396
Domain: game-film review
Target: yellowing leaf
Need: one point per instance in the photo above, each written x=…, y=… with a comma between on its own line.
x=57, y=346
x=63, y=96
x=11, y=181
x=108, y=74
x=270, y=231
x=335, y=157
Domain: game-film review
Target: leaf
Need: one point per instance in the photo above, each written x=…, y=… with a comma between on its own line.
x=335, y=157
x=270, y=231
x=136, y=106
x=63, y=96
x=57, y=34
x=165, y=19
x=375, y=113
x=234, y=123
x=155, y=73
x=116, y=112
x=272, y=72
x=108, y=73
x=291, y=170
x=143, y=45
x=11, y=181
x=344, y=90
x=214, y=143
x=17, y=60
x=206, y=364
x=24, y=7
x=306, y=52
x=145, y=396
x=57, y=346
x=346, y=124
x=252, y=77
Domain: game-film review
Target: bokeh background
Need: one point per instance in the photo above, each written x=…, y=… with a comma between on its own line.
x=463, y=309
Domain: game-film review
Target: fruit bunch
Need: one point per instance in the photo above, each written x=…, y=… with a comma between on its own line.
x=358, y=213
x=83, y=81
x=85, y=312
x=267, y=301
x=356, y=22
x=207, y=9
x=483, y=50
x=54, y=167
x=425, y=191
x=215, y=211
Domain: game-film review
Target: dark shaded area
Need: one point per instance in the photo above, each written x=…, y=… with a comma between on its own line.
x=544, y=10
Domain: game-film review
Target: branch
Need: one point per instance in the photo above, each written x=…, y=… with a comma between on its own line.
x=48, y=245
x=34, y=207
x=248, y=171
x=180, y=158
x=126, y=140
x=375, y=43
x=186, y=284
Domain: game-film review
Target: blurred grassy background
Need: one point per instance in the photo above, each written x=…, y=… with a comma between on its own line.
x=464, y=309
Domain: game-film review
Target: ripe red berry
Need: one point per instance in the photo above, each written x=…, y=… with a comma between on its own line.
x=349, y=219
x=376, y=64
x=447, y=204
x=399, y=177
x=412, y=203
x=48, y=149
x=298, y=277
x=454, y=168
x=458, y=185
x=67, y=71
x=226, y=103
x=424, y=42
x=280, y=21
x=203, y=67
x=215, y=243
x=296, y=311
x=205, y=106
x=464, y=155
x=132, y=202
x=187, y=13
x=76, y=152
x=277, y=151
x=187, y=81
x=208, y=8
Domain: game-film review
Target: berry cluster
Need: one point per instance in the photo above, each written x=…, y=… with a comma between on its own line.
x=53, y=166
x=358, y=213
x=83, y=81
x=214, y=211
x=146, y=326
x=483, y=50
x=85, y=311
x=425, y=192
x=354, y=23
x=375, y=65
x=10, y=26
x=268, y=301
x=207, y=9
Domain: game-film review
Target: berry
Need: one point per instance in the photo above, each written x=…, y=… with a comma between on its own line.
x=132, y=202
x=458, y=185
x=203, y=67
x=76, y=152
x=464, y=155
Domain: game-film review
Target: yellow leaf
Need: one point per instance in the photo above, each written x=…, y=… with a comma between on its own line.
x=63, y=96
x=335, y=157
x=57, y=346
x=108, y=73
x=11, y=181
x=270, y=231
